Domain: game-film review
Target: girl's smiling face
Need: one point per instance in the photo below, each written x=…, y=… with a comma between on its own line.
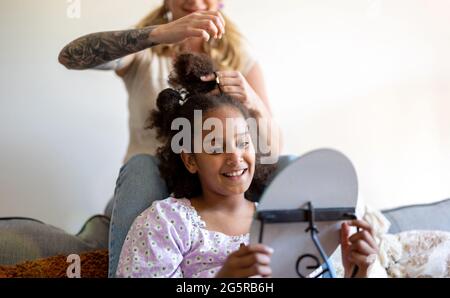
x=229, y=170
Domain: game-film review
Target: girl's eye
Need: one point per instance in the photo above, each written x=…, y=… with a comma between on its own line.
x=243, y=144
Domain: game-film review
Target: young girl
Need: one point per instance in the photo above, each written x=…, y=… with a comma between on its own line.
x=202, y=229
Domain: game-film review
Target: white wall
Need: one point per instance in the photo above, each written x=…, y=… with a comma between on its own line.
x=368, y=77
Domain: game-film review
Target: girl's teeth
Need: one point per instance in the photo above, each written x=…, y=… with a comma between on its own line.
x=233, y=174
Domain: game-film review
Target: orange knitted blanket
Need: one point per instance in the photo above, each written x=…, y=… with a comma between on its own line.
x=93, y=264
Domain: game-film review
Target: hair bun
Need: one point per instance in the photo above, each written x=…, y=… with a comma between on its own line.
x=168, y=102
x=188, y=68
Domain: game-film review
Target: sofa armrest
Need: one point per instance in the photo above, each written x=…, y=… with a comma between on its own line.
x=25, y=239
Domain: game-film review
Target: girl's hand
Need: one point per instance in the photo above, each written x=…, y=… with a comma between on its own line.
x=204, y=24
x=359, y=249
x=234, y=84
x=248, y=261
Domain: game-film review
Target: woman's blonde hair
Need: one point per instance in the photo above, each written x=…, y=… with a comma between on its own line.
x=224, y=52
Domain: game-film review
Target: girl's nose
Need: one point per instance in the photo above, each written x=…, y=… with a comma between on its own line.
x=234, y=159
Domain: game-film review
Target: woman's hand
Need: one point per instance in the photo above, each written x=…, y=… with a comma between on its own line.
x=248, y=261
x=359, y=249
x=234, y=84
x=204, y=24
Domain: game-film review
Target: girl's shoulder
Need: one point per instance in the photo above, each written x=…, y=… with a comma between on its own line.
x=173, y=210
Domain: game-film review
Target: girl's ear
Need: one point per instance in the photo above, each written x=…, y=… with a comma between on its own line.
x=189, y=162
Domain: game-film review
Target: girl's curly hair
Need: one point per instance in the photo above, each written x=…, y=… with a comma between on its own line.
x=188, y=68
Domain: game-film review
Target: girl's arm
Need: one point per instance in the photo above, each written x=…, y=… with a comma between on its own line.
x=96, y=49
x=155, y=243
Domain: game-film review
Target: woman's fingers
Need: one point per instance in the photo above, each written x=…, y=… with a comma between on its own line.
x=229, y=81
x=207, y=78
x=198, y=24
x=208, y=26
x=229, y=74
x=238, y=96
x=217, y=18
x=217, y=14
x=191, y=24
x=223, y=76
x=193, y=32
x=232, y=89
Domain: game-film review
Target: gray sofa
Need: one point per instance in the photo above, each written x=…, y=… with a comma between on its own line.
x=433, y=216
x=23, y=239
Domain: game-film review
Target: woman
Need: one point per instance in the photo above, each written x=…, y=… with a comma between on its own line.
x=142, y=57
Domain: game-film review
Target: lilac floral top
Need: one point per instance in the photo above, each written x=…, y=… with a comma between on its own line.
x=169, y=239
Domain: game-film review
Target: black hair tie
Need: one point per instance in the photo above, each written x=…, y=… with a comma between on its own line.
x=183, y=96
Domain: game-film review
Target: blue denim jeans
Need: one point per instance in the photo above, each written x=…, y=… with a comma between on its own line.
x=138, y=185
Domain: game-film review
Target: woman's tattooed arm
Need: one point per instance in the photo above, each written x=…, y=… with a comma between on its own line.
x=93, y=50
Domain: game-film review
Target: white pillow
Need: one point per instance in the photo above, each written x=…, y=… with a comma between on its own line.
x=416, y=253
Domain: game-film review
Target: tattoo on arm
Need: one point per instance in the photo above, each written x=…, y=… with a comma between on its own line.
x=96, y=49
